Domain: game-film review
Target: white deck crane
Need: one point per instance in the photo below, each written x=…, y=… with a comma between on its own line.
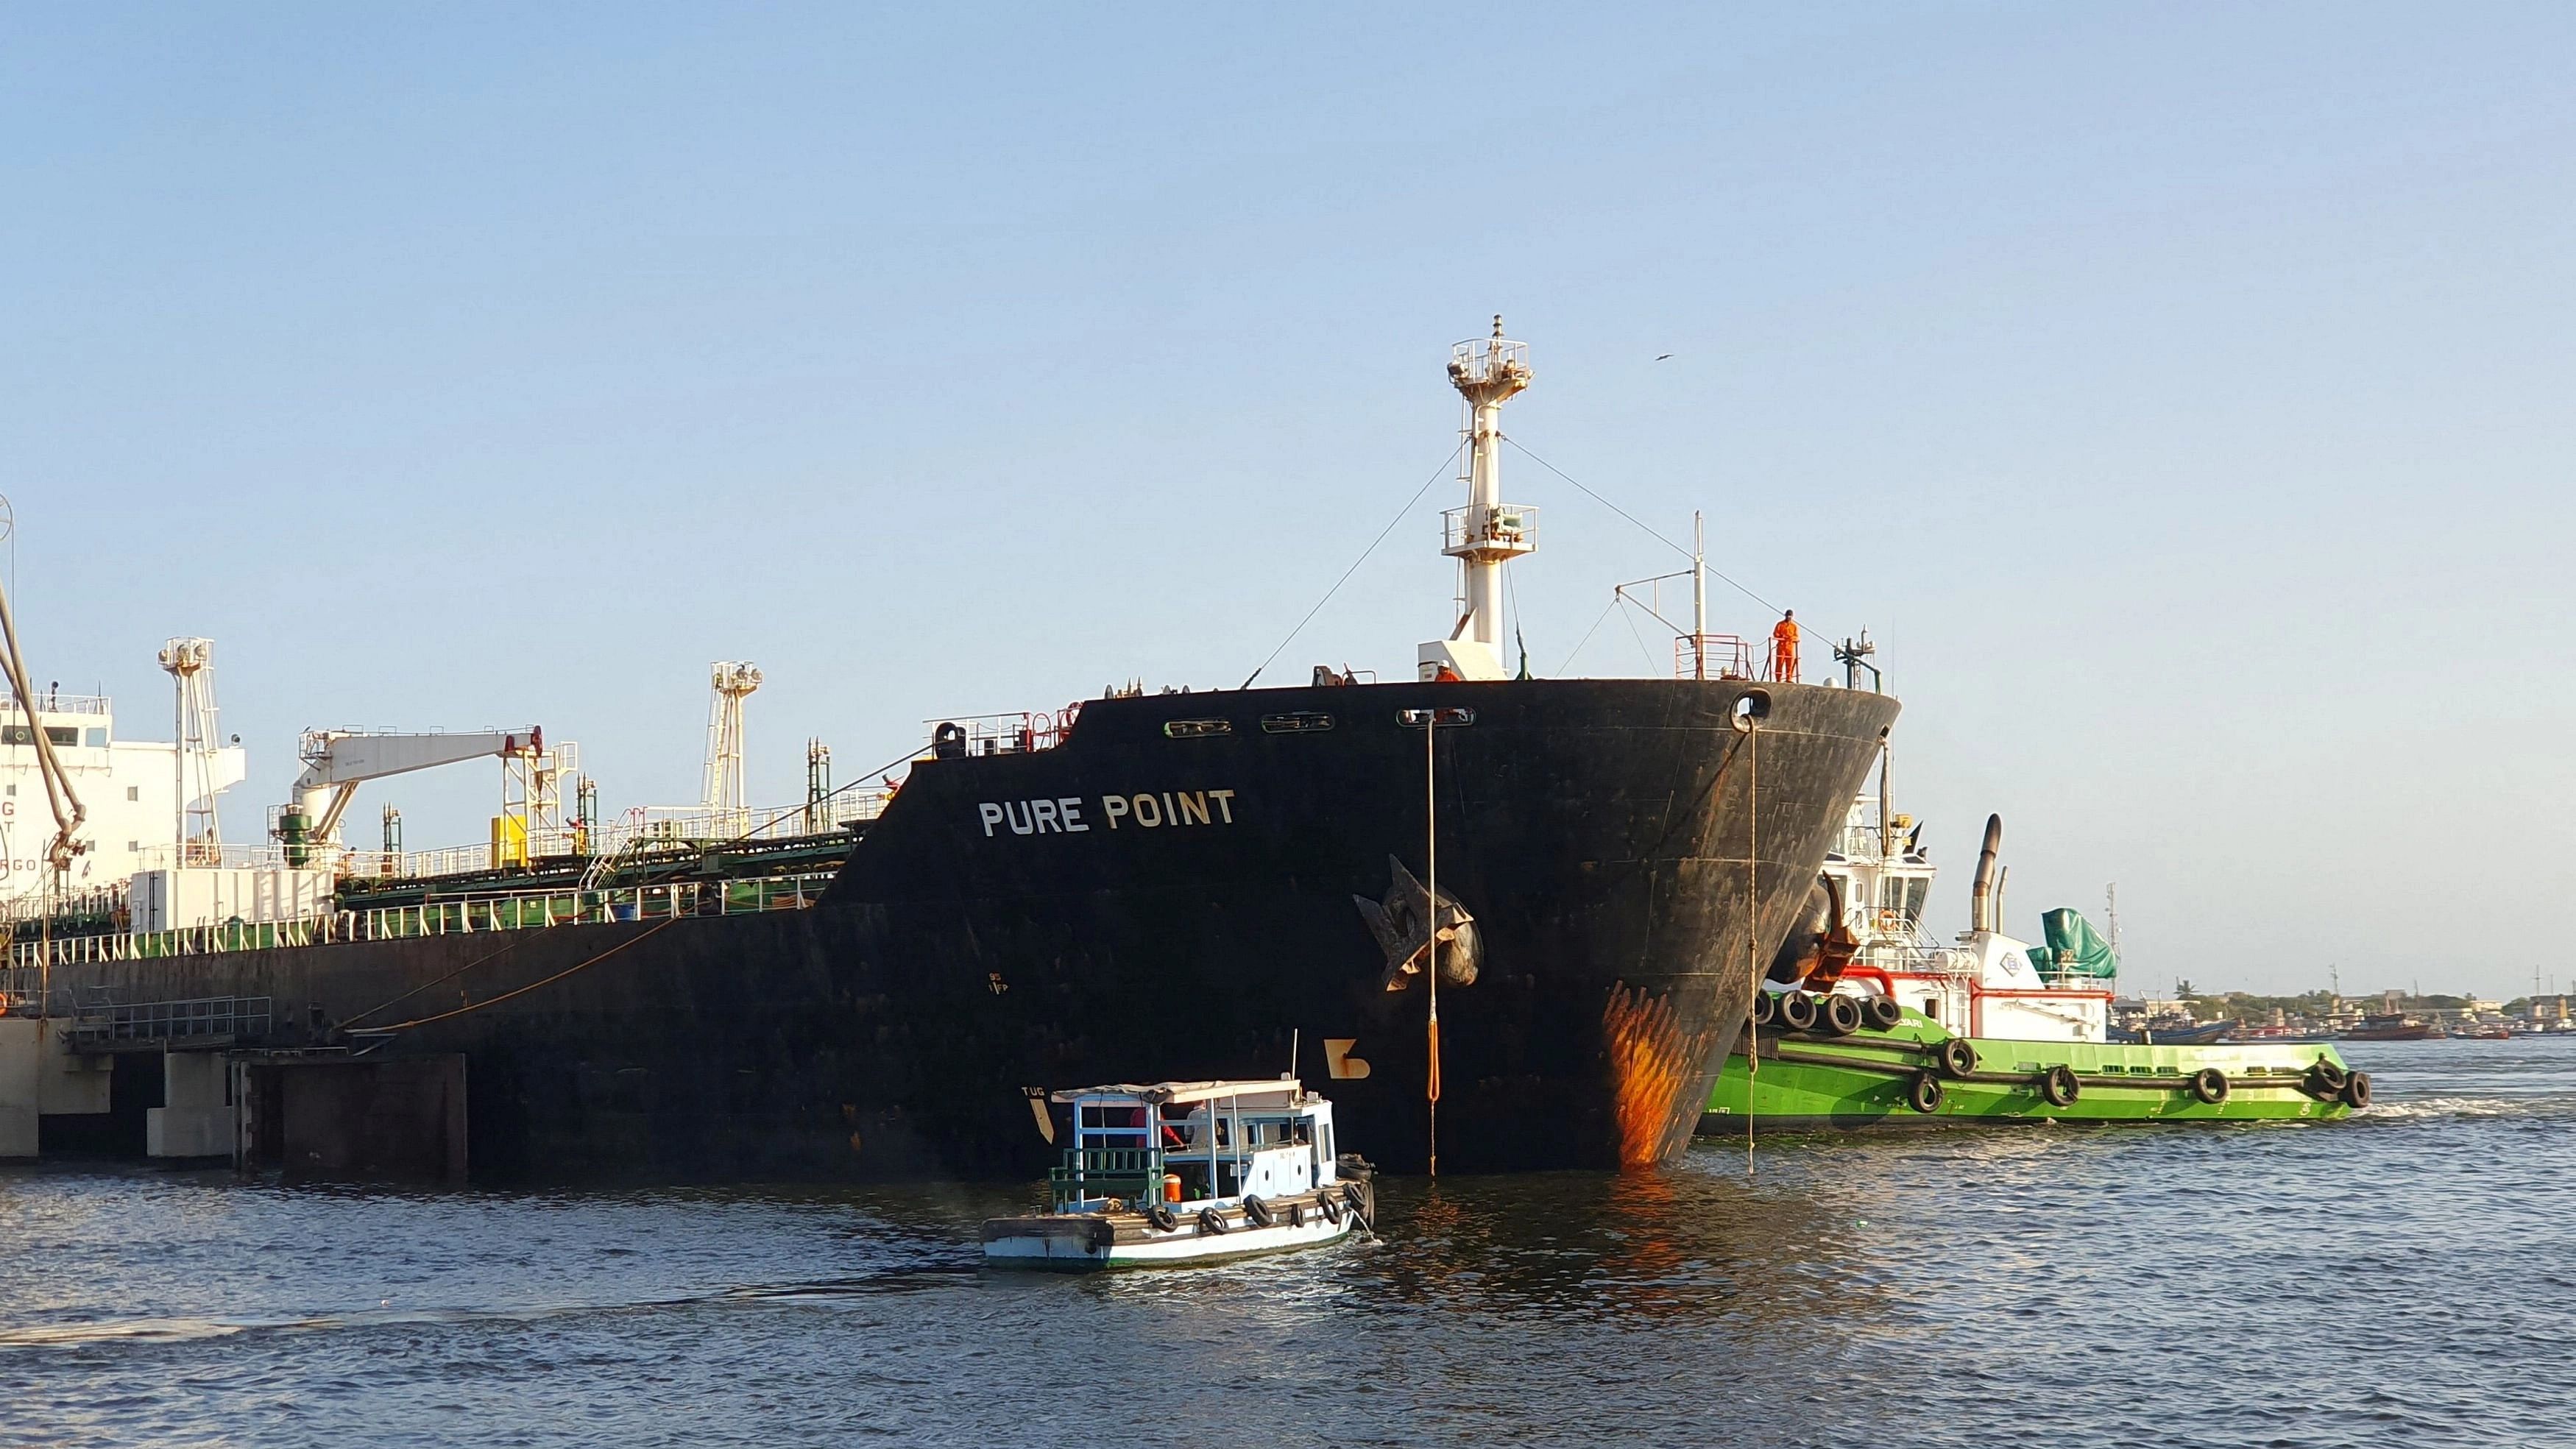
x=337, y=762
x=69, y=813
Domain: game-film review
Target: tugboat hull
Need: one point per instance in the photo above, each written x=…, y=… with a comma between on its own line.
x=1870, y=1079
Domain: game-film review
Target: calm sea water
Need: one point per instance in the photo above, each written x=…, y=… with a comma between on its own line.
x=2408, y=1278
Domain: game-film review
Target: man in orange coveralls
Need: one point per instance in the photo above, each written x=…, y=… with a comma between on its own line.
x=1784, y=648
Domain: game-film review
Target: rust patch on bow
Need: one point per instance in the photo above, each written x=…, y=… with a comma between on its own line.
x=1654, y=1069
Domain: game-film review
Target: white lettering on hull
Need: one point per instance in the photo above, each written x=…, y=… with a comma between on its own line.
x=1150, y=811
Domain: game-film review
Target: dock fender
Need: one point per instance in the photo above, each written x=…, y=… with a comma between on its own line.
x=1925, y=1094
x=1838, y=1014
x=1211, y=1221
x=2209, y=1084
x=2058, y=1086
x=1330, y=1206
x=2325, y=1079
x=1258, y=1211
x=1766, y=1008
x=2356, y=1091
x=1161, y=1217
x=1882, y=1013
x=1357, y=1200
x=1957, y=1057
x=1796, y=1010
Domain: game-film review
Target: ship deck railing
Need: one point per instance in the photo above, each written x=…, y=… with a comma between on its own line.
x=644, y=826
x=202, y=1022
x=462, y=916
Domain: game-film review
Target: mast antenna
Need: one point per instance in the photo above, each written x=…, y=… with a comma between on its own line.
x=730, y=682
x=190, y=664
x=1488, y=533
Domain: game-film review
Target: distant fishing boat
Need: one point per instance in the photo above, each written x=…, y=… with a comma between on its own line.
x=2391, y=1026
x=1190, y=1172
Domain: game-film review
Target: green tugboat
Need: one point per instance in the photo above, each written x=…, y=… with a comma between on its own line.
x=1865, y=1022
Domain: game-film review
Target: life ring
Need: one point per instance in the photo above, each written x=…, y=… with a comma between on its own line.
x=2209, y=1084
x=1161, y=1217
x=1838, y=1015
x=2356, y=1091
x=1766, y=1008
x=1957, y=1057
x=1925, y=1094
x=1211, y=1221
x=1797, y=1011
x=1330, y=1206
x=1881, y=1013
x=1259, y=1211
x=2058, y=1086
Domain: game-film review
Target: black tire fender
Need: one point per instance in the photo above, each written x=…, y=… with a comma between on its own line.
x=1838, y=1015
x=1211, y=1221
x=1924, y=1094
x=2209, y=1084
x=1797, y=1011
x=2058, y=1086
x=1881, y=1013
x=1957, y=1057
x=1161, y=1217
x=1330, y=1206
x=1259, y=1212
x=1766, y=1008
x=2356, y=1091
x=2329, y=1076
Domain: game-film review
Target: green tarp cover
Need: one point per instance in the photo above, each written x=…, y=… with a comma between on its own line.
x=2073, y=948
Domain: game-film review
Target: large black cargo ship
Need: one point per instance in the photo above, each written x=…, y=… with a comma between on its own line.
x=1174, y=885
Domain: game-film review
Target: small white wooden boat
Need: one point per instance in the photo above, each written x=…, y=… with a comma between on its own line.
x=1187, y=1172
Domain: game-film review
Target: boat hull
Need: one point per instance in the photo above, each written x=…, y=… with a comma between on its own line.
x=1807, y=1084
x=1087, y=1242
x=1622, y=846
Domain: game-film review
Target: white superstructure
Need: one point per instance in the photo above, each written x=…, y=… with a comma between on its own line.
x=1985, y=985
x=130, y=787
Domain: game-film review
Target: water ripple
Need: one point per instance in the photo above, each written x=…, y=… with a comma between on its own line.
x=2401, y=1279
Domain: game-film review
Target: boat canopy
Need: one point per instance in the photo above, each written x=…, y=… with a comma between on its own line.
x=1163, y=1093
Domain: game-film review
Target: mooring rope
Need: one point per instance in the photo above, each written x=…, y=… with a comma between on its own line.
x=1752, y=922
x=662, y=925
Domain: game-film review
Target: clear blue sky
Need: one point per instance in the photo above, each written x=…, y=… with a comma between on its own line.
x=2179, y=393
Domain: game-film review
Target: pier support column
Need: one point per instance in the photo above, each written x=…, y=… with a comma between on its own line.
x=195, y=1118
x=22, y=1053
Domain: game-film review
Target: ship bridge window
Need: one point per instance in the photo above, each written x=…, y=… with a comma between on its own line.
x=18, y=734
x=97, y=740
x=1192, y=729
x=1304, y=721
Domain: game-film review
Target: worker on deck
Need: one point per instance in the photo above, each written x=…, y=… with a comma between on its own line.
x=1784, y=648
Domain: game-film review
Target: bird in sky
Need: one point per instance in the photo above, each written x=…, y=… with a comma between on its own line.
x=1662, y=356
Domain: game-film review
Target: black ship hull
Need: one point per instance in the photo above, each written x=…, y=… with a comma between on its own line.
x=1143, y=903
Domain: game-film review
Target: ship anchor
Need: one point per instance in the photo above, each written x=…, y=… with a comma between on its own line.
x=1401, y=924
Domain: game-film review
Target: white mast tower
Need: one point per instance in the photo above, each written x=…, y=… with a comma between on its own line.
x=1488, y=372
x=190, y=663
x=732, y=680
